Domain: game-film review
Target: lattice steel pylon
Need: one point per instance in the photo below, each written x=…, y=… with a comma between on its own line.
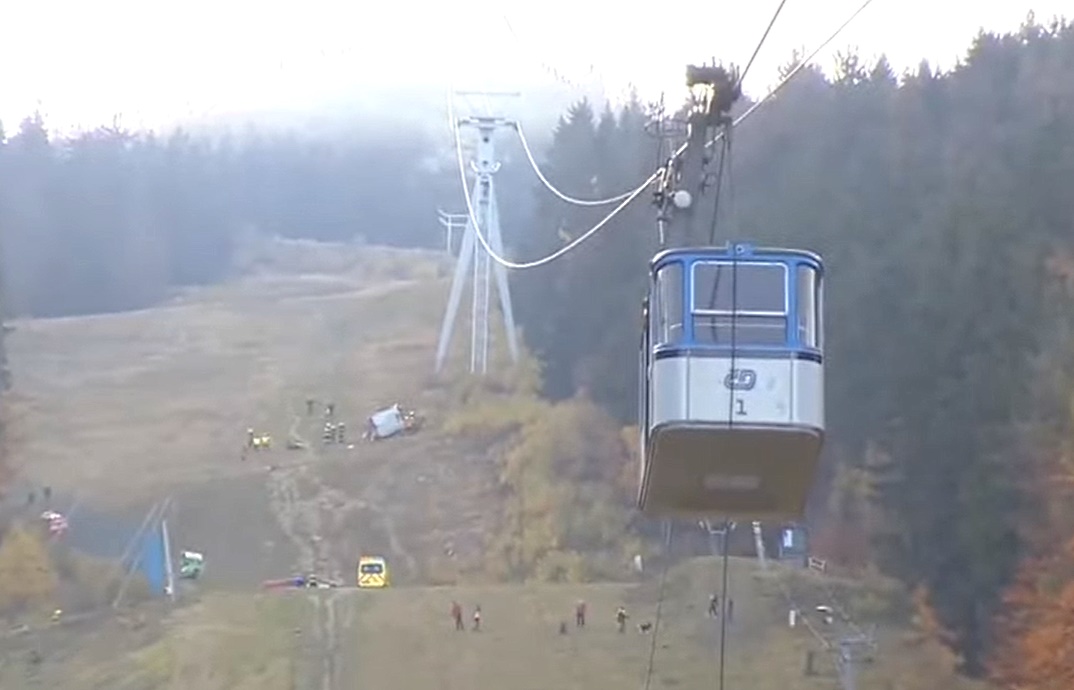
x=472, y=255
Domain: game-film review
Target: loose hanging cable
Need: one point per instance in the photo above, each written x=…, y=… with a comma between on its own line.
x=716, y=193
x=479, y=232
x=730, y=396
x=552, y=188
x=723, y=600
x=790, y=75
x=712, y=237
x=633, y=195
x=668, y=527
x=771, y=23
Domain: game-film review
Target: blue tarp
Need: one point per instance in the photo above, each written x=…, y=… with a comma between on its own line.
x=106, y=535
x=151, y=559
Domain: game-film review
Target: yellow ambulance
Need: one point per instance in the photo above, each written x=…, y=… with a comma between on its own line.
x=372, y=572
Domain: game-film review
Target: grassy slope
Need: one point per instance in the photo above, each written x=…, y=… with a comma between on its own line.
x=521, y=648
x=403, y=638
x=226, y=642
x=123, y=408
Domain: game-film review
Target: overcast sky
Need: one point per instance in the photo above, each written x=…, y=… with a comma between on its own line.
x=160, y=61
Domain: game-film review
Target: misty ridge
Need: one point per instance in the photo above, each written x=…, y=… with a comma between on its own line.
x=940, y=202
x=372, y=169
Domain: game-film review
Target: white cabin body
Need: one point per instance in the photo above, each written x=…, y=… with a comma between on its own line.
x=732, y=384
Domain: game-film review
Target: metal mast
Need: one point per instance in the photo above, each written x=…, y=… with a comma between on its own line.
x=687, y=178
x=473, y=256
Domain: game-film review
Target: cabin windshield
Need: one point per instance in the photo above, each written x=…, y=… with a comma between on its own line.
x=756, y=292
x=666, y=310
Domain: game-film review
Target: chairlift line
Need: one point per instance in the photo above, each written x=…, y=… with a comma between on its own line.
x=552, y=188
x=631, y=196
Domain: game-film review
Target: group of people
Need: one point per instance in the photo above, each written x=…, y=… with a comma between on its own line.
x=714, y=607
x=456, y=615
x=580, y=610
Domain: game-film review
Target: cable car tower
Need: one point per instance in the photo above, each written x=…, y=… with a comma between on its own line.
x=473, y=259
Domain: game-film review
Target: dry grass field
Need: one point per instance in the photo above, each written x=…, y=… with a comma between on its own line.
x=116, y=412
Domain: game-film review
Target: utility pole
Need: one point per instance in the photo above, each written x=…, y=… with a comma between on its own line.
x=169, y=574
x=451, y=222
x=687, y=177
x=473, y=255
x=758, y=540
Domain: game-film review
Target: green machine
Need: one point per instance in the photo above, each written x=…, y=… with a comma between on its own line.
x=191, y=565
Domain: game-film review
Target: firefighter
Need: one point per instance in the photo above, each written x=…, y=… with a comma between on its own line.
x=456, y=615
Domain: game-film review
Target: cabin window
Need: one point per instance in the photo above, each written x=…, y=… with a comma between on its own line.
x=755, y=288
x=665, y=311
x=756, y=292
x=808, y=307
x=819, y=304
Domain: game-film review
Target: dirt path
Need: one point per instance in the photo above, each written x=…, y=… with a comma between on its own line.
x=312, y=513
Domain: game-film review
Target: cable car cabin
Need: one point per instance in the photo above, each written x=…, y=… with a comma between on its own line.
x=739, y=442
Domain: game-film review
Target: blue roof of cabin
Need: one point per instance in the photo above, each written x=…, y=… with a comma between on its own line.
x=738, y=250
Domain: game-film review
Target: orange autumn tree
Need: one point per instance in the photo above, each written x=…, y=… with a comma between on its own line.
x=1037, y=631
x=1034, y=647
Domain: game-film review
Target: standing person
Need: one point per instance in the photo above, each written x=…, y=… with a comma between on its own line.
x=714, y=605
x=579, y=614
x=621, y=618
x=456, y=615
x=477, y=618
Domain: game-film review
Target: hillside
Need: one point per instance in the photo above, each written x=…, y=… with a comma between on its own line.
x=114, y=412
x=520, y=646
x=403, y=638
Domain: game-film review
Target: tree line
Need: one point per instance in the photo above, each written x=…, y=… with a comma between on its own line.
x=941, y=204
x=112, y=220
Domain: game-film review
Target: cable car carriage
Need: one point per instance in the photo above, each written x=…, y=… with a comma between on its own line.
x=732, y=383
